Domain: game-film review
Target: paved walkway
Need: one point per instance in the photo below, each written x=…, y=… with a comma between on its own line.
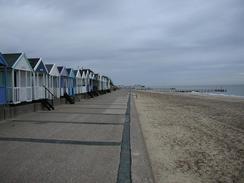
x=73, y=143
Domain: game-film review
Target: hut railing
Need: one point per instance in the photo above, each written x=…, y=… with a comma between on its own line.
x=28, y=93
x=49, y=94
x=15, y=95
x=2, y=95
x=22, y=94
x=39, y=92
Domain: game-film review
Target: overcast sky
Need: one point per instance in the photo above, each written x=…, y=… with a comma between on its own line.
x=152, y=42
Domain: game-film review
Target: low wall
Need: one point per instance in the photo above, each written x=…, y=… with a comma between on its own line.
x=12, y=111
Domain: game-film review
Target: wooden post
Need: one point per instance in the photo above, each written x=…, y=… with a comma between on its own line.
x=5, y=84
x=31, y=73
x=12, y=97
x=19, y=83
x=19, y=79
x=34, y=83
x=26, y=84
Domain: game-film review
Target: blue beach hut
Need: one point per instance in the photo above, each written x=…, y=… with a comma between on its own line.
x=3, y=78
x=63, y=80
x=71, y=82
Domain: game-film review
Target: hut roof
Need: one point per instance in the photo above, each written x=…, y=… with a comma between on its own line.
x=2, y=60
x=11, y=58
x=87, y=70
x=60, y=68
x=69, y=70
x=77, y=73
x=49, y=67
x=33, y=62
x=62, y=71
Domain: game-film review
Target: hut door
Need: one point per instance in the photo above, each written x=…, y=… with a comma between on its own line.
x=41, y=80
x=65, y=83
x=16, y=78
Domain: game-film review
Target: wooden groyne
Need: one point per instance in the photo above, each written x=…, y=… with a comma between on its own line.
x=220, y=90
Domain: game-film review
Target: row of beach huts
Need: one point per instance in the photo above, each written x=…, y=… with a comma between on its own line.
x=24, y=79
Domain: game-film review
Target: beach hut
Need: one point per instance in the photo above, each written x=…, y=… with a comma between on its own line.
x=71, y=81
x=100, y=84
x=85, y=78
x=103, y=83
x=19, y=78
x=108, y=84
x=96, y=82
x=40, y=78
x=3, y=79
x=91, y=80
x=78, y=81
x=63, y=80
x=53, y=80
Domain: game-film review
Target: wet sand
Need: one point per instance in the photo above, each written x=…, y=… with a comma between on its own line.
x=193, y=139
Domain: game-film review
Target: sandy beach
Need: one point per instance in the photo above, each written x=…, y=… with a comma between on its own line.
x=193, y=139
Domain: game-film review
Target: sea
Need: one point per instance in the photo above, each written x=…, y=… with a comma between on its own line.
x=230, y=90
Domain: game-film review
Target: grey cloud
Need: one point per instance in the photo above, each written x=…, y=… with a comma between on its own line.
x=152, y=42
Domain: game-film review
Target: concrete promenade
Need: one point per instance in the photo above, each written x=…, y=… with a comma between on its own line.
x=73, y=143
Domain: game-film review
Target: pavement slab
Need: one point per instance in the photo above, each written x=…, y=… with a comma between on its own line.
x=48, y=116
x=90, y=111
x=73, y=143
x=84, y=132
x=31, y=162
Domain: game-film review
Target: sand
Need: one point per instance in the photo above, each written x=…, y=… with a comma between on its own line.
x=193, y=139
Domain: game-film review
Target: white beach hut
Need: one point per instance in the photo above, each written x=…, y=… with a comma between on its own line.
x=53, y=80
x=103, y=80
x=19, y=79
x=84, y=77
x=90, y=78
x=78, y=81
x=40, y=78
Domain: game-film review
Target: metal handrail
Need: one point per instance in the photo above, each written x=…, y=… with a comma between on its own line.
x=53, y=96
x=46, y=89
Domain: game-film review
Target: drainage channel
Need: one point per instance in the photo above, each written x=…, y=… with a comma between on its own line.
x=57, y=141
x=124, y=172
x=66, y=122
x=88, y=113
